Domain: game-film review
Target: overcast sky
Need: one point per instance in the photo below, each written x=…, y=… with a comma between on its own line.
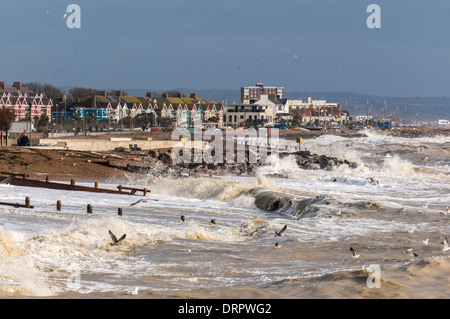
x=310, y=45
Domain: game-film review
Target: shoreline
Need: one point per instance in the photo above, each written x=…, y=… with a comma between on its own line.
x=113, y=166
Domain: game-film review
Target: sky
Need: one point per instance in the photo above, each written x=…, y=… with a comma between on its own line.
x=302, y=45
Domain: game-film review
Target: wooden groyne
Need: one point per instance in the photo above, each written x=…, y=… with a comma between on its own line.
x=23, y=180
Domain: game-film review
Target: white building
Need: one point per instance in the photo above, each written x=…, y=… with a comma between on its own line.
x=300, y=104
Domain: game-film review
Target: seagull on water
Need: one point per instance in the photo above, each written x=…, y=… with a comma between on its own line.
x=132, y=292
x=212, y=222
x=277, y=245
x=115, y=240
x=445, y=245
x=280, y=233
x=410, y=252
x=182, y=219
x=354, y=254
x=425, y=242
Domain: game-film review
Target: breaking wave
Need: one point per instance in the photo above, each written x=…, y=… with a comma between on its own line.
x=222, y=189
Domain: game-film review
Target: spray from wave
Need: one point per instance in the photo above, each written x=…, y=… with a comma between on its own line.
x=396, y=165
x=222, y=188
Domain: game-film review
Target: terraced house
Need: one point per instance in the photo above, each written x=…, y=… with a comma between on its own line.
x=24, y=102
x=177, y=111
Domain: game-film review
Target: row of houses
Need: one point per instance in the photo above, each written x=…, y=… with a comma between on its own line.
x=260, y=106
x=182, y=111
x=24, y=102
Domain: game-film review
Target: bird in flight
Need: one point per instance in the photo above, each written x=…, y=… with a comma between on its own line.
x=445, y=245
x=410, y=252
x=354, y=254
x=139, y=201
x=280, y=233
x=277, y=245
x=115, y=240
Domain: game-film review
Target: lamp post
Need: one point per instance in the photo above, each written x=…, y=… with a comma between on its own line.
x=31, y=124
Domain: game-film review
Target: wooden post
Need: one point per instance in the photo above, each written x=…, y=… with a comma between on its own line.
x=47, y=179
x=89, y=209
x=72, y=182
x=145, y=191
x=299, y=141
x=27, y=202
x=96, y=185
x=120, y=188
x=58, y=205
x=119, y=211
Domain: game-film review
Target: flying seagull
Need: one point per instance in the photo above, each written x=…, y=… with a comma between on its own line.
x=115, y=240
x=410, y=252
x=141, y=200
x=280, y=233
x=277, y=245
x=354, y=254
x=445, y=245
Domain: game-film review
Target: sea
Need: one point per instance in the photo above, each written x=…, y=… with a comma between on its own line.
x=392, y=210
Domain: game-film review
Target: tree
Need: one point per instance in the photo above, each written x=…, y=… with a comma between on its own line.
x=42, y=123
x=82, y=93
x=52, y=92
x=36, y=87
x=48, y=90
x=6, y=120
x=173, y=93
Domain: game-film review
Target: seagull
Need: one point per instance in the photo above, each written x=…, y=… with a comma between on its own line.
x=445, y=245
x=354, y=255
x=182, y=219
x=65, y=16
x=410, y=252
x=114, y=238
x=280, y=233
x=47, y=11
x=425, y=242
x=141, y=200
x=212, y=222
x=132, y=292
x=277, y=245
